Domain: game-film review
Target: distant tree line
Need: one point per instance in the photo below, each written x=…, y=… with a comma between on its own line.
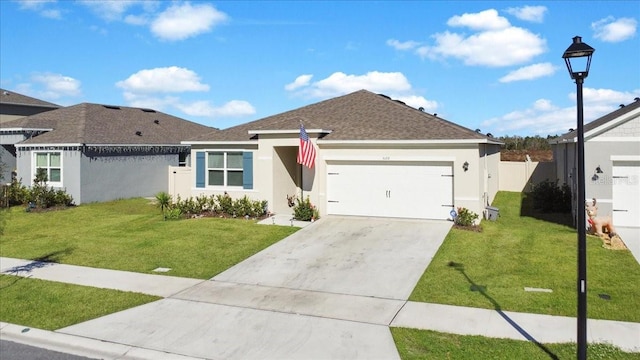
x=526, y=142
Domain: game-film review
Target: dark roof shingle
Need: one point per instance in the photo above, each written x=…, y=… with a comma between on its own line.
x=108, y=125
x=13, y=98
x=361, y=115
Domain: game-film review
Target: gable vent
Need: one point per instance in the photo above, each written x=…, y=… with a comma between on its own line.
x=112, y=107
x=148, y=110
x=139, y=133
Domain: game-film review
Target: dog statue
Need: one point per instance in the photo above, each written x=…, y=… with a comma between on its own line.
x=291, y=200
x=599, y=224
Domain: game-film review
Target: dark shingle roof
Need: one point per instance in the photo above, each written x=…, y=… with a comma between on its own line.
x=108, y=125
x=13, y=98
x=361, y=115
x=599, y=122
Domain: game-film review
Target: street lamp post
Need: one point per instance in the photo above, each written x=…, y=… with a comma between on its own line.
x=581, y=51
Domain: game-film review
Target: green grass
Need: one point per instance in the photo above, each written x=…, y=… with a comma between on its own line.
x=51, y=305
x=517, y=251
x=424, y=345
x=131, y=235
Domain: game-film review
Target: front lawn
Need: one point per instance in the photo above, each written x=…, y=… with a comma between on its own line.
x=51, y=305
x=131, y=235
x=491, y=269
x=424, y=344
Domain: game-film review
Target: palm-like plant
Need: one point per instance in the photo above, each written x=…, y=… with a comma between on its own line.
x=164, y=201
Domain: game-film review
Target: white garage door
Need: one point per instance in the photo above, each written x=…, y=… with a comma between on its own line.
x=417, y=190
x=626, y=194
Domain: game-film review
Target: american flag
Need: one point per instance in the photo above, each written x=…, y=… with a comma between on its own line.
x=306, y=151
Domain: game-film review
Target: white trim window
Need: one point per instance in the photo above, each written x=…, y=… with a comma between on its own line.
x=52, y=163
x=224, y=168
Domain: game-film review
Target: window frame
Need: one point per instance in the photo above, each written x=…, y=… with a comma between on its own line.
x=225, y=169
x=49, y=167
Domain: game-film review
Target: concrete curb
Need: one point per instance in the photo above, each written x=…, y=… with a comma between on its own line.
x=75, y=345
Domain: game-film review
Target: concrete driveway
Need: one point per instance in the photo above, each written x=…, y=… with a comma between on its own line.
x=631, y=238
x=329, y=291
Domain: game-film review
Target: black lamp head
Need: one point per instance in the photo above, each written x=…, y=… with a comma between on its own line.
x=578, y=49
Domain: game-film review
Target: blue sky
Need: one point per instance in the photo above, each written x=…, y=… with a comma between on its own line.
x=494, y=66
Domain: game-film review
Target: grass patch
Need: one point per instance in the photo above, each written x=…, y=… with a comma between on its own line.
x=131, y=235
x=51, y=305
x=518, y=251
x=425, y=344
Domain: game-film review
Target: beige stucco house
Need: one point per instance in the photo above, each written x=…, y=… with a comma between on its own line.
x=375, y=157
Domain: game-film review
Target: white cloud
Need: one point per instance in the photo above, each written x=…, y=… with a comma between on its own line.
x=145, y=88
x=109, y=10
x=417, y=102
x=300, y=81
x=233, y=108
x=393, y=84
x=340, y=83
x=611, y=30
x=164, y=80
x=43, y=7
x=495, y=48
x=493, y=42
x=181, y=21
x=484, y=20
x=398, y=45
x=34, y=4
x=529, y=13
x=544, y=118
x=56, y=85
x=530, y=72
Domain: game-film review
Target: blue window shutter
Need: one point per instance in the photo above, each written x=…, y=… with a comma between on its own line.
x=200, y=169
x=247, y=170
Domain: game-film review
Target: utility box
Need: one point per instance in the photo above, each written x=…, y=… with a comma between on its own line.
x=492, y=213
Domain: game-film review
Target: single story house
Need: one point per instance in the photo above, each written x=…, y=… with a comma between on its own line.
x=15, y=106
x=375, y=156
x=100, y=152
x=611, y=161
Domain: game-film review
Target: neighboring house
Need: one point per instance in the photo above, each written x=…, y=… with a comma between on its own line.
x=100, y=152
x=612, y=163
x=15, y=106
x=375, y=157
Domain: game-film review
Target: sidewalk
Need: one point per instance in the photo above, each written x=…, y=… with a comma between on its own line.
x=264, y=311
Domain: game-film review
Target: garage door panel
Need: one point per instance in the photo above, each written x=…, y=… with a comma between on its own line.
x=626, y=195
x=407, y=190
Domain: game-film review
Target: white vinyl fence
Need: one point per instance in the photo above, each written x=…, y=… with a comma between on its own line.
x=521, y=176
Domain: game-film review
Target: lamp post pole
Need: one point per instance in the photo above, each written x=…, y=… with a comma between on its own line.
x=582, y=232
x=578, y=49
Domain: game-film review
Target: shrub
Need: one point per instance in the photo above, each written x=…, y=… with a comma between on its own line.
x=465, y=217
x=173, y=214
x=39, y=195
x=17, y=193
x=548, y=197
x=305, y=211
x=223, y=205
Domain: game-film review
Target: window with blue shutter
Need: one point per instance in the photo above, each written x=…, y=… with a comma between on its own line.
x=200, y=169
x=247, y=170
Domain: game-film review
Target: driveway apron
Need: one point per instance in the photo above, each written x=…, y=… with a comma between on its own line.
x=329, y=291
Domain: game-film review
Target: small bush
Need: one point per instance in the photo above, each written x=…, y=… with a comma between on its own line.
x=465, y=217
x=548, y=197
x=225, y=204
x=222, y=205
x=305, y=211
x=173, y=214
x=39, y=195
